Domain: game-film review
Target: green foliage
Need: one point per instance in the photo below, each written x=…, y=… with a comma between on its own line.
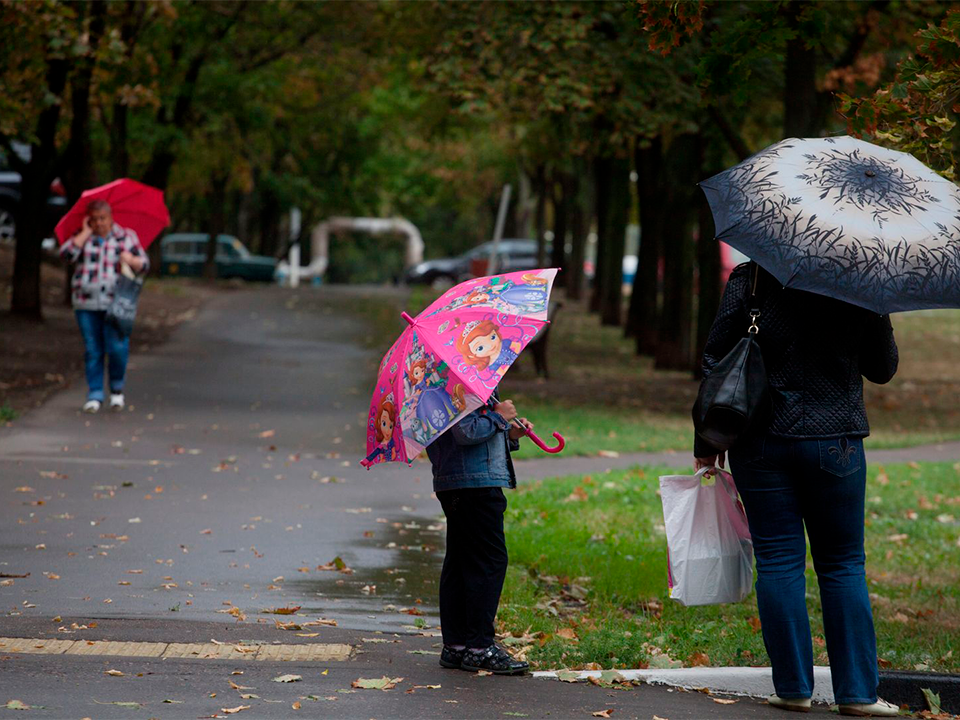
x=7, y=413
x=917, y=111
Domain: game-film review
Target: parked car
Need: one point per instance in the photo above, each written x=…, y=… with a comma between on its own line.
x=10, y=182
x=513, y=255
x=185, y=253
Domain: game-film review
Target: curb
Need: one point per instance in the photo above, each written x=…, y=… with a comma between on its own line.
x=901, y=688
x=904, y=688
x=743, y=681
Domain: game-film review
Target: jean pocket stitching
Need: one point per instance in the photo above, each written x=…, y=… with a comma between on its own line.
x=841, y=457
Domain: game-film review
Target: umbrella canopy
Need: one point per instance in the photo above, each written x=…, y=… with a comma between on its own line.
x=844, y=218
x=451, y=358
x=135, y=206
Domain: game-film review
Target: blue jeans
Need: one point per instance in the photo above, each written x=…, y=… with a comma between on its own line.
x=787, y=485
x=100, y=338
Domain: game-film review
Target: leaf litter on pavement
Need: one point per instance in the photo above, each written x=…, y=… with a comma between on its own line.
x=383, y=683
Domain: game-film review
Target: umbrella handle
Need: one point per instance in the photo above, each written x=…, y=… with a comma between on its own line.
x=366, y=463
x=561, y=443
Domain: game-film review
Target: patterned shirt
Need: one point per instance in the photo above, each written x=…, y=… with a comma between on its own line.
x=98, y=266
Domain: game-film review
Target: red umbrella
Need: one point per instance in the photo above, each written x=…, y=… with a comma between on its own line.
x=135, y=206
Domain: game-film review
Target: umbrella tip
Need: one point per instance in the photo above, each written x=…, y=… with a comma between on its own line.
x=406, y=317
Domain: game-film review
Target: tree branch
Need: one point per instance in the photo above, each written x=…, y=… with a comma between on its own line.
x=736, y=143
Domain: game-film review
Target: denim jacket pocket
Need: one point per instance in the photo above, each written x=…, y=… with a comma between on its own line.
x=841, y=456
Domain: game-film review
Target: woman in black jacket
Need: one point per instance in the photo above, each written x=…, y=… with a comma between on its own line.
x=806, y=469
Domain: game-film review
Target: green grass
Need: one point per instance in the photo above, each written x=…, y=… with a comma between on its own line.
x=589, y=430
x=607, y=538
x=7, y=413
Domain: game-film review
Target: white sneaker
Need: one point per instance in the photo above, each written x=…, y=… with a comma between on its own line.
x=116, y=401
x=794, y=704
x=91, y=406
x=881, y=708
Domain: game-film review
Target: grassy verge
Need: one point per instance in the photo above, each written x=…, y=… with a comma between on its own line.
x=603, y=397
x=587, y=583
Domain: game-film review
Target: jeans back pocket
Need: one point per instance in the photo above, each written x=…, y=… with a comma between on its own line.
x=841, y=456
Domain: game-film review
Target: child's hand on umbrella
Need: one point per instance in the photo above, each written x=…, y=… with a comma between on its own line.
x=517, y=433
x=506, y=409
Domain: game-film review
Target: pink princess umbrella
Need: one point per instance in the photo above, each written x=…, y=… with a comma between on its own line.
x=451, y=358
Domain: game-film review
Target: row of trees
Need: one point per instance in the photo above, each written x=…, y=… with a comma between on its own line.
x=244, y=109
x=673, y=92
x=239, y=110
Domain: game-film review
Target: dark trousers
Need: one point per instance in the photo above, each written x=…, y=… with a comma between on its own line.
x=818, y=485
x=474, y=566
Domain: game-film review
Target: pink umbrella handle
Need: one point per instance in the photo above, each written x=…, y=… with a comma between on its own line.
x=561, y=443
x=366, y=463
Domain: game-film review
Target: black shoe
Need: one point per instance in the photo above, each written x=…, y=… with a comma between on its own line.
x=493, y=659
x=451, y=658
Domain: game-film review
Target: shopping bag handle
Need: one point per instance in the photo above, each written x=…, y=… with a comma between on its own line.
x=724, y=478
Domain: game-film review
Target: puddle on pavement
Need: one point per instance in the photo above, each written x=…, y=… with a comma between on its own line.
x=396, y=568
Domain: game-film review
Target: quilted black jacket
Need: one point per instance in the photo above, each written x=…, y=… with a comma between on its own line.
x=816, y=350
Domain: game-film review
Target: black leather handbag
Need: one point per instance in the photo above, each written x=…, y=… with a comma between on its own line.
x=735, y=397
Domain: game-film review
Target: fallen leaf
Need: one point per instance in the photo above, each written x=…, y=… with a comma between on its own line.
x=754, y=623
x=296, y=705
x=570, y=676
x=308, y=635
x=114, y=673
x=724, y=701
x=238, y=708
x=283, y=610
x=268, y=433
x=239, y=687
x=933, y=700
x=483, y=673
x=17, y=705
x=287, y=625
x=383, y=683
x=567, y=633
x=24, y=489
x=698, y=659
x=288, y=678
x=603, y=713
x=120, y=703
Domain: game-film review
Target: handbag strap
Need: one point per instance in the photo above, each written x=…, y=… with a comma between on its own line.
x=754, y=303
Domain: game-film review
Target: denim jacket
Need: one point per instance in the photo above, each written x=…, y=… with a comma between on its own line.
x=474, y=453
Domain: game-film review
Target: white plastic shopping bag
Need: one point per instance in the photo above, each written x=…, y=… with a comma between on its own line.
x=709, y=550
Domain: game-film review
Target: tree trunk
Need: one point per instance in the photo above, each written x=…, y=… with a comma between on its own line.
x=601, y=169
x=540, y=217
x=79, y=172
x=613, y=213
x=675, y=339
x=269, y=224
x=646, y=284
x=34, y=188
x=561, y=195
x=708, y=254
x=800, y=101
x=580, y=217
x=218, y=198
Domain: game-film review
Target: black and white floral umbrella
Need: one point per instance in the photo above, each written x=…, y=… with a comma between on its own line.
x=844, y=218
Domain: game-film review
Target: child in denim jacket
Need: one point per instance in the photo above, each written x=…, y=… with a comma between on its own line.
x=471, y=466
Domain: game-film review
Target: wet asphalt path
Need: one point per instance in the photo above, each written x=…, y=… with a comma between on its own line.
x=229, y=479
